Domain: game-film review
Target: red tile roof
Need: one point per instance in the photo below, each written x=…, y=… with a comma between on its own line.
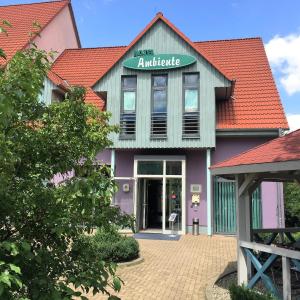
x=255, y=105
x=256, y=102
x=282, y=149
x=85, y=66
x=22, y=17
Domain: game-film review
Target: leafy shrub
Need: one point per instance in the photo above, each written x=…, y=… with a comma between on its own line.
x=110, y=246
x=292, y=204
x=241, y=292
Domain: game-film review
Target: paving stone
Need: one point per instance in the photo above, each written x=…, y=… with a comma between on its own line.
x=176, y=269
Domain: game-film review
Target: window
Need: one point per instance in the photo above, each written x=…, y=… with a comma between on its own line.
x=57, y=96
x=190, y=120
x=128, y=107
x=173, y=167
x=159, y=106
x=150, y=168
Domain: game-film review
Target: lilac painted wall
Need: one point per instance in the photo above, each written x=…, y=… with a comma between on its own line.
x=59, y=34
x=272, y=194
x=60, y=178
x=124, y=168
x=228, y=147
x=104, y=156
x=196, y=174
x=272, y=208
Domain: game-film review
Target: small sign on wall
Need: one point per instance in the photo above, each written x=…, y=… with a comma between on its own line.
x=195, y=198
x=196, y=188
x=126, y=188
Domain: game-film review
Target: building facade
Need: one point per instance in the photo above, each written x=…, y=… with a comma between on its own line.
x=181, y=106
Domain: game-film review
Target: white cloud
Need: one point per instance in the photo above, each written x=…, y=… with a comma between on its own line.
x=284, y=56
x=294, y=121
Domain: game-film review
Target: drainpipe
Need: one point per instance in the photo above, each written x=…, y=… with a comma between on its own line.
x=208, y=191
x=112, y=162
x=112, y=169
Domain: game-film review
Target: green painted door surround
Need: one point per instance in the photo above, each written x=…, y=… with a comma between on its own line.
x=163, y=40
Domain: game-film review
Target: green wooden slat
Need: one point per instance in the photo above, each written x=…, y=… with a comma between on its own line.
x=233, y=216
x=225, y=207
x=257, y=209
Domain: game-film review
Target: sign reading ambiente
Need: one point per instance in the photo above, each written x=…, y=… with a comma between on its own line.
x=159, y=62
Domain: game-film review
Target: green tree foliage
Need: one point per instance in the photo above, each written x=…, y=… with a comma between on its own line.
x=292, y=204
x=39, y=220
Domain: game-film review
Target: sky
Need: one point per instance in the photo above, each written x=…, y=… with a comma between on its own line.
x=117, y=22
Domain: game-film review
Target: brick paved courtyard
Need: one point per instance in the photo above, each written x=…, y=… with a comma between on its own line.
x=176, y=269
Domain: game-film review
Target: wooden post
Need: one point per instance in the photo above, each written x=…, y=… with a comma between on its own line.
x=286, y=278
x=243, y=230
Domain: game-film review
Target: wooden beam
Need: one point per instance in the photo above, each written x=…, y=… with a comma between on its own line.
x=248, y=181
x=286, y=278
x=283, y=230
x=270, y=249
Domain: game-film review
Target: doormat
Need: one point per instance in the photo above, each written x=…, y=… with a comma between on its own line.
x=156, y=236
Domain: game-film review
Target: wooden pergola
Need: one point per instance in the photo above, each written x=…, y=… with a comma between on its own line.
x=277, y=160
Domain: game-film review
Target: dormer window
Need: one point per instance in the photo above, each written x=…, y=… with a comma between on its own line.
x=128, y=107
x=190, y=120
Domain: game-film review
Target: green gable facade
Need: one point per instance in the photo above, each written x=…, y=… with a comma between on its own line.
x=163, y=40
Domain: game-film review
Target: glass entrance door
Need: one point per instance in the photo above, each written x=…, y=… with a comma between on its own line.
x=173, y=204
x=161, y=192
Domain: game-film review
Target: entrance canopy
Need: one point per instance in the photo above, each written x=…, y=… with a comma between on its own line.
x=278, y=159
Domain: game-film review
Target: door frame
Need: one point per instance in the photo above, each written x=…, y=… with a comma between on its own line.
x=164, y=159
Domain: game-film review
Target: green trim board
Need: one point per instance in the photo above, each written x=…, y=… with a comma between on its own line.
x=159, y=62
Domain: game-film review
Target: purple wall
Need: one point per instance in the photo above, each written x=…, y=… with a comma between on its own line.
x=196, y=174
x=104, y=156
x=124, y=168
x=228, y=147
x=272, y=204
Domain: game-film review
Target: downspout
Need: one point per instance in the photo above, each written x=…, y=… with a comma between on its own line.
x=208, y=191
x=112, y=169
x=112, y=162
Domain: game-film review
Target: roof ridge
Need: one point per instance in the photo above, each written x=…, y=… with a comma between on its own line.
x=35, y=3
x=98, y=47
x=233, y=39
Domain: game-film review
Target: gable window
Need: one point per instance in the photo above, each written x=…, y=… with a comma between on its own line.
x=57, y=96
x=190, y=116
x=128, y=107
x=159, y=106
